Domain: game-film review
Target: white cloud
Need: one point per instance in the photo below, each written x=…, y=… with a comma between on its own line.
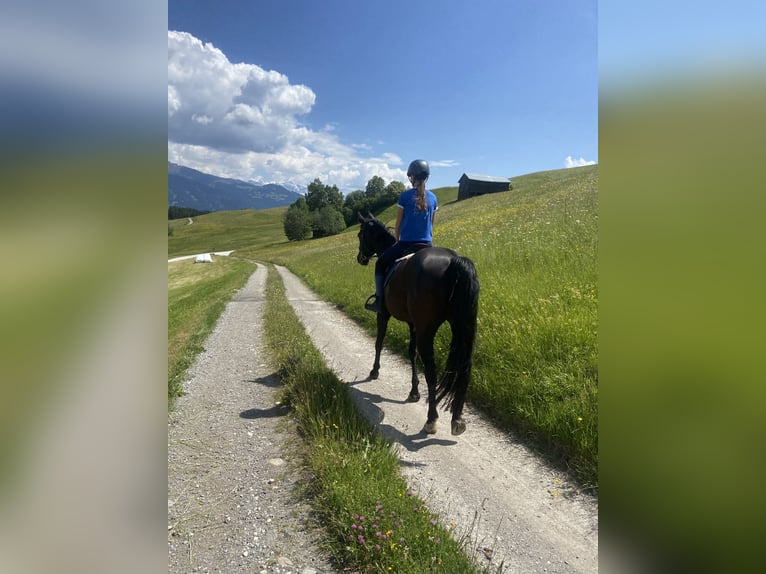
x=570, y=162
x=240, y=121
x=444, y=163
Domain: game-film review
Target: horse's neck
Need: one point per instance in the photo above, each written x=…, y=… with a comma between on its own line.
x=386, y=241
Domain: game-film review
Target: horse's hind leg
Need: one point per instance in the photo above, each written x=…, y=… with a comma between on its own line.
x=458, y=424
x=413, y=354
x=426, y=349
x=383, y=318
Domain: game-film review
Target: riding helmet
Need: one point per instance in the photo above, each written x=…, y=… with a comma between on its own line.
x=419, y=169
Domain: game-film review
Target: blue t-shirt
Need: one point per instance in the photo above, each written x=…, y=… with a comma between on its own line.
x=416, y=225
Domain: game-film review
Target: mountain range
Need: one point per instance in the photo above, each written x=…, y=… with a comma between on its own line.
x=191, y=188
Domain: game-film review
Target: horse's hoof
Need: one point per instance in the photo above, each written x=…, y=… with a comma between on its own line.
x=430, y=428
x=458, y=427
x=413, y=397
x=373, y=375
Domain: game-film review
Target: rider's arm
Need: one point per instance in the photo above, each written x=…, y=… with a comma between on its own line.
x=399, y=216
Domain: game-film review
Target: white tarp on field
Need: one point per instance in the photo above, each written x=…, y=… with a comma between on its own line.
x=204, y=258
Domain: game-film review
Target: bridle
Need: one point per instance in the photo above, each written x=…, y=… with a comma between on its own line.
x=366, y=251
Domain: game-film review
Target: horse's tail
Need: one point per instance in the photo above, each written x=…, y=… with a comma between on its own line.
x=464, y=306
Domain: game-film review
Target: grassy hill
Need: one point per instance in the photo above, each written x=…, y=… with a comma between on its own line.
x=225, y=230
x=535, y=248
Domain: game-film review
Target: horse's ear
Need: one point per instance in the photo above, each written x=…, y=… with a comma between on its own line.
x=370, y=215
x=361, y=219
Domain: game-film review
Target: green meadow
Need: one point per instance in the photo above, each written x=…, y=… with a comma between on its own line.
x=535, y=249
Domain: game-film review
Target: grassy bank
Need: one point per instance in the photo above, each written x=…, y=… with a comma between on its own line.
x=197, y=295
x=535, y=248
x=373, y=521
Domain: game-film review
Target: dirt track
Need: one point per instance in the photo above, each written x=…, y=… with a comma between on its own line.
x=527, y=515
x=229, y=502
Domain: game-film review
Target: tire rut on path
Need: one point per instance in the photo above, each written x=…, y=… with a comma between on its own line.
x=514, y=509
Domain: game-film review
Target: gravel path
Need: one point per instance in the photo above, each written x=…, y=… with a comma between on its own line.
x=232, y=505
x=231, y=502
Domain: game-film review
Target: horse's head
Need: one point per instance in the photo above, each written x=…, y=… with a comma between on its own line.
x=366, y=244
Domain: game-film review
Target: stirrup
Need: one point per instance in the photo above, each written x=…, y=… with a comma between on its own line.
x=372, y=303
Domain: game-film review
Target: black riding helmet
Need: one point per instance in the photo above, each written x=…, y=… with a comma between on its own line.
x=419, y=169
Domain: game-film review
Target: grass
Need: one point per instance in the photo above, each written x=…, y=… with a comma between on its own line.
x=225, y=230
x=535, y=248
x=373, y=521
x=197, y=295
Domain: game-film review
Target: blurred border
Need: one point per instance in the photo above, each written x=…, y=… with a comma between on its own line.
x=682, y=114
x=83, y=297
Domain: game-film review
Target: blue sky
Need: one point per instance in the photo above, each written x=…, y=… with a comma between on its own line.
x=343, y=90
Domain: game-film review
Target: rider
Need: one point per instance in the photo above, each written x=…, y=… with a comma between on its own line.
x=414, y=225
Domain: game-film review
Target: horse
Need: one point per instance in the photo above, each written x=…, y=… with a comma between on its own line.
x=432, y=286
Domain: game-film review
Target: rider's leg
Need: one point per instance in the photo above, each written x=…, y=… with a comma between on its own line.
x=377, y=304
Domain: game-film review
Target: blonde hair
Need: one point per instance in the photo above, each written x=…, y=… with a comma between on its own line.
x=420, y=194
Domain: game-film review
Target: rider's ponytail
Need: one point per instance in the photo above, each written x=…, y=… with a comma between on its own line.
x=420, y=195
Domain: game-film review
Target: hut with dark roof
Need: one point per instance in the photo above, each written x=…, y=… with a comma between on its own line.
x=473, y=184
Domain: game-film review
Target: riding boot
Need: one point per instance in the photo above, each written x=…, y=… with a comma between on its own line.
x=377, y=303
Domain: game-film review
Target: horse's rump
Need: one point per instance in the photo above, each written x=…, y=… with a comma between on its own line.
x=417, y=288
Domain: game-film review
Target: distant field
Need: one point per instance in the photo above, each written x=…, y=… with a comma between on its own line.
x=225, y=230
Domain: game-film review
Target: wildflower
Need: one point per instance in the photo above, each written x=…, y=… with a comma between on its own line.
x=360, y=538
x=334, y=426
x=438, y=541
x=353, y=527
x=579, y=419
x=433, y=522
x=377, y=547
x=409, y=493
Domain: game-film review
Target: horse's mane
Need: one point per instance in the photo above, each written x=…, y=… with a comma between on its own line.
x=382, y=228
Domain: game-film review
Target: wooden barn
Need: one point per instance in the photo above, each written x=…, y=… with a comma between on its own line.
x=473, y=184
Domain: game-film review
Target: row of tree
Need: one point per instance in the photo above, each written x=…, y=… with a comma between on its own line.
x=324, y=211
x=175, y=212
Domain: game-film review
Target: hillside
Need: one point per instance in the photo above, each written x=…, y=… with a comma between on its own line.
x=191, y=188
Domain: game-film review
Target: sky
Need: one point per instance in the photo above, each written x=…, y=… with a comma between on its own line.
x=342, y=90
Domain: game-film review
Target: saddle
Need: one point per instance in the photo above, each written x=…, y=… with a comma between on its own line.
x=411, y=250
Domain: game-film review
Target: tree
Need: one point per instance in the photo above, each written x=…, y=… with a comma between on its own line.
x=375, y=187
x=327, y=221
x=297, y=221
x=354, y=203
x=392, y=192
x=319, y=195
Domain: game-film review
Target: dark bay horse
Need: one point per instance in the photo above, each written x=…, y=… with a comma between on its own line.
x=432, y=286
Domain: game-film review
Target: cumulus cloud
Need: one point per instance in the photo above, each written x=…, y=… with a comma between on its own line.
x=241, y=121
x=571, y=162
x=225, y=106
